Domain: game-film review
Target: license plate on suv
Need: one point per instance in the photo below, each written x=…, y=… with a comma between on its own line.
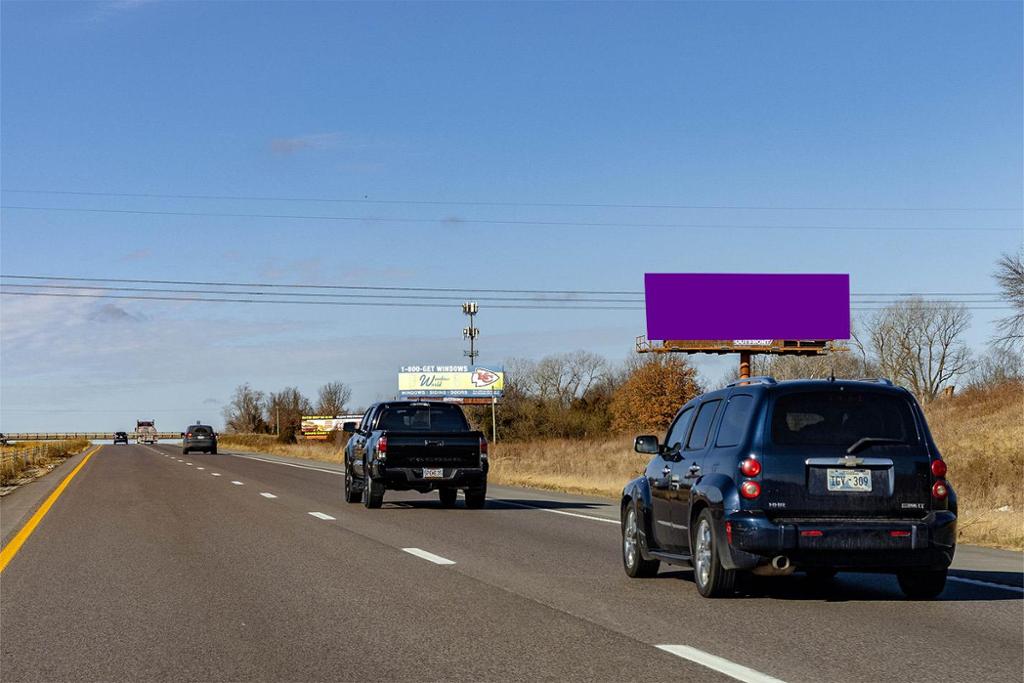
x=849, y=480
x=433, y=473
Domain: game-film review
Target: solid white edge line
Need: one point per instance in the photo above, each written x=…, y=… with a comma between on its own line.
x=289, y=464
x=557, y=512
x=267, y=495
x=987, y=584
x=430, y=557
x=715, y=663
x=321, y=515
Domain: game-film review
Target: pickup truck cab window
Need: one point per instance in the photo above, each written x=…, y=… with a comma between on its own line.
x=424, y=418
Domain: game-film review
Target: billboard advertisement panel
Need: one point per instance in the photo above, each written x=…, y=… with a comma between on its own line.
x=747, y=306
x=450, y=381
x=317, y=427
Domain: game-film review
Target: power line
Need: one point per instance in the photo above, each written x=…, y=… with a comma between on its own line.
x=410, y=304
x=490, y=221
x=390, y=288
x=436, y=202
x=449, y=298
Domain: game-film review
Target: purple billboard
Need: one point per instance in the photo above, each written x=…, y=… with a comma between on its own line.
x=747, y=306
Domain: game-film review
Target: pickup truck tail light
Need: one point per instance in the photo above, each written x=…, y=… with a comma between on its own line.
x=483, y=446
x=382, y=445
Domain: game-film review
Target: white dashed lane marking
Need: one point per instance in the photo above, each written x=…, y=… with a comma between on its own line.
x=200, y=468
x=267, y=495
x=430, y=557
x=214, y=474
x=237, y=483
x=320, y=515
x=719, y=664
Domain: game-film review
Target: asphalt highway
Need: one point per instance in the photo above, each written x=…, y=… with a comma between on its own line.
x=156, y=566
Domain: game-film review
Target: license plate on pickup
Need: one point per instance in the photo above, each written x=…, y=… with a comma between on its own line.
x=433, y=473
x=849, y=480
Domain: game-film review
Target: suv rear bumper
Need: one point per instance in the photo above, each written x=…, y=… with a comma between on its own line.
x=862, y=544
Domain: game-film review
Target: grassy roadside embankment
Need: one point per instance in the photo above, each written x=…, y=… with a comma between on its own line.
x=980, y=434
x=24, y=461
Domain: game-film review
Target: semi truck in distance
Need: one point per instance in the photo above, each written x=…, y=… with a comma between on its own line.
x=145, y=431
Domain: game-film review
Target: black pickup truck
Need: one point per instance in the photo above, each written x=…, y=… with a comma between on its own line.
x=415, y=446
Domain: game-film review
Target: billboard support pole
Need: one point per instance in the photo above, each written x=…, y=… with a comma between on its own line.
x=494, y=419
x=744, y=364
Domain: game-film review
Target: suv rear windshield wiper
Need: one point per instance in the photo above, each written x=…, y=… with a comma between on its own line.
x=872, y=441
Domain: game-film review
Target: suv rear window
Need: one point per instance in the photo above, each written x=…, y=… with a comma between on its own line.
x=201, y=431
x=840, y=418
x=423, y=418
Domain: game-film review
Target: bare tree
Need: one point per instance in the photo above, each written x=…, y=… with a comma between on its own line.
x=284, y=410
x=1009, y=276
x=918, y=344
x=999, y=365
x=333, y=398
x=561, y=378
x=244, y=413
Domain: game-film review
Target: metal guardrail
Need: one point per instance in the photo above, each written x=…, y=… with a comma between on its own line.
x=65, y=436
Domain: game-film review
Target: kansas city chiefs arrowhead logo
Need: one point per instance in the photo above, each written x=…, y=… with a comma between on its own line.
x=483, y=377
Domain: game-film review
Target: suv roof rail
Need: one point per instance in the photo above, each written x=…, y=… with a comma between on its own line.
x=877, y=380
x=759, y=379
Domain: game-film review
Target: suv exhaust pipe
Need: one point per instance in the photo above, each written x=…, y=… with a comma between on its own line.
x=779, y=566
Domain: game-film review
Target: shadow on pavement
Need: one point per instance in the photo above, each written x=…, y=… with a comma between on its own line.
x=857, y=587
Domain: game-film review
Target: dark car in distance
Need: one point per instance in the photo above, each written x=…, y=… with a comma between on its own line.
x=814, y=475
x=199, y=438
x=415, y=446
x=121, y=437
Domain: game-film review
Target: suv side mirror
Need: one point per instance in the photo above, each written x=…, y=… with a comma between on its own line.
x=349, y=427
x=647, y=444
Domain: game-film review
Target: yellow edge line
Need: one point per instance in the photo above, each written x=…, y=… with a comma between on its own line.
x=12, y=548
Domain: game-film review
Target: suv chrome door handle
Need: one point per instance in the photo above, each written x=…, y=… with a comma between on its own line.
x=694, y=471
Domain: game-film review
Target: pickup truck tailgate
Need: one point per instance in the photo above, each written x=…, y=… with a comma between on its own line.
x=433, y=449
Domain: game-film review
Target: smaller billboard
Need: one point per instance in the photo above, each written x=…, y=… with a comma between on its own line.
x=450, y=381
x=318, y=427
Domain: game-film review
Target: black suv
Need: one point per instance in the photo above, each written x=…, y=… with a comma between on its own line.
x=199, y=438
x=816, y=475
x=121, y=437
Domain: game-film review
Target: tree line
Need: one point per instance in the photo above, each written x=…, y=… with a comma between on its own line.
x=252, y=411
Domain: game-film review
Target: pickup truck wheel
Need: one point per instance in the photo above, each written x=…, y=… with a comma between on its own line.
x=448, y=497
x=476, y=497
x=213, y=451
x=184, y=451
x=635, y=565
x=712, y=579
x=351, y=494
x=922, y=584
x=373, y=493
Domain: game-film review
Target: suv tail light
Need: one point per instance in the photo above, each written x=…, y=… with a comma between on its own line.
x=189, y=435
x=938, y=469
x=939, y=490
x=750, y=490
x=750, y=467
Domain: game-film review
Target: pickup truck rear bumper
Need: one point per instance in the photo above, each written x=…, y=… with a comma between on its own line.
x=863, y=544
x=406, y=478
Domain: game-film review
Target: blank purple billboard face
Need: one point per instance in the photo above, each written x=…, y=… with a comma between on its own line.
x=747, y=306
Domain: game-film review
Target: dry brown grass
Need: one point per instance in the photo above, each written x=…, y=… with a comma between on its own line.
x=25, y=460
x=981, y=436
x=598, y=467
x=267, y=443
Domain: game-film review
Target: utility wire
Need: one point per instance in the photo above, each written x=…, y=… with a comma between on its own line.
x=435, y=202
x=488, y=221
x=534, y=299
x=459, y=290
x=410, y=304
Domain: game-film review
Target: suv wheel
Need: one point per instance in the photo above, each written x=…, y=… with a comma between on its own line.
x=713, y=580
x=448, y=497
x=923, y=584
x=635, y=565
x=351, y=495
x=373, y=493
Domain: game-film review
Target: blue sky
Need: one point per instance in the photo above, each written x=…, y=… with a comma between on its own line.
x=853, y=105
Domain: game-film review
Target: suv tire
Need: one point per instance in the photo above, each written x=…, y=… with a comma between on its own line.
x=712, y=579
x=373, y=493
x=922, y=584
x=632, y=560
x=476, y=497
x=351, y=495
x=448, y=497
